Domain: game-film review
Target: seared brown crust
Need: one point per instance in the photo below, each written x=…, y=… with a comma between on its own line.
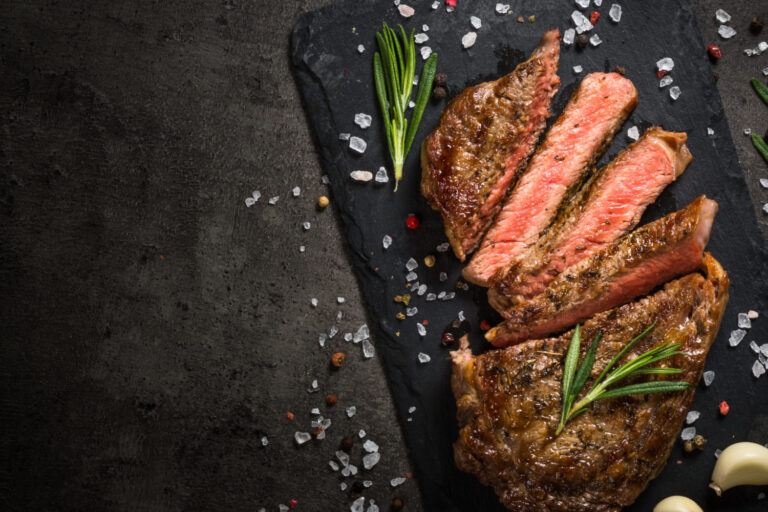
x=509, y=405
x=483, y=141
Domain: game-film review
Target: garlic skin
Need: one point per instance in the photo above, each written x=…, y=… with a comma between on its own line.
x=677, y=504
x=740, y=464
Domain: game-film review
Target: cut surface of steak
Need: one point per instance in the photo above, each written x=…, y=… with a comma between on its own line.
x=563, y=161
x=609, y=205
x=633, y=266
x=483, y=142
x=509, y=404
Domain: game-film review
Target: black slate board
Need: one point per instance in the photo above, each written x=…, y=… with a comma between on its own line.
x=336, y=82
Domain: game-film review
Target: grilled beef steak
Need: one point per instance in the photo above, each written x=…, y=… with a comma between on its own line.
x=509, y=404
x=570, y=149
x=609, y=205
x=483, y=141
x=636, y=264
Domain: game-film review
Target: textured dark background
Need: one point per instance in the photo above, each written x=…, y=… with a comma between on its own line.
x=152, y=327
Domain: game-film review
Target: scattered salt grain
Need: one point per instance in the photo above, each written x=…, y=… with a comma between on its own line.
x=351, y=410
x=441, y=295
x=264, y=441
x=568, y=36
x=435, y=4
x=718, y=452
x=249, y=201
x=665, y=64
x=758, y=369
x=422, y=289
x=322, y=339
x=421, y=329
x=306, y=226
x=765, y=208
x=665, y=81
x=368, y=483
x=325, y=180
x=577, y=69
x=313, y=387
x=339, y=316
x=674, y=92
x=386, y=241
x=411, y=276
x=420, y=38
x=347, y=336
x=595, y=40
x=273, y=200
x=752, y=314
x=411, y=104
x=736, y=337
x=764, y=349
x=370, y=446
x=411, y=409
x=411, y=311
x=448, y=296
x=302, y=248
x=360, y=48
x=256, y=195
x=468, y=40
x=340, y=300
x=475, y=22
x=358, y=145
x=296, y=191
x=361, y=175
x=443, y=247
x=302, y=437
x=424, y=358
x=343, y=457
x=361, y=434
x=411, y=264
x=747, y=131
x=359, y=503
x=722, y=16
x=754, y=346
x=368, y=350
x=371, y=459
x=598, y=3
x=431, y=297
x=283, y=508
x=633, y=133
x=344, y=136
x=333, y=464
x=425, y=27
x=761, y=496
x=461, y=316
x=397, y=481
x=502, y=8
x=744, y=321
x=406, y=11
x=582, y=3
x=688, y=433
x=709, y=377
x=726, y=32
x=581, y=22
x=333, y=331
x=615, y=13
x=692, y=417
x=443, y=276
x=426, y=51
x=363, y=120
x=710, y=131
x=363, y=333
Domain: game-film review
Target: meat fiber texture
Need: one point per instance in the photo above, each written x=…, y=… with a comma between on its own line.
x=509, y=404
x=564, y=160
x=483, y=142
x=608, y=206
x=633, y=266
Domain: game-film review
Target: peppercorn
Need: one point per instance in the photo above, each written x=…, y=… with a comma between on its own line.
x=448, y=339
x=439, y=93
x=322, y=201
x=716, y=75
x=688, y=446
x=400, y=316
x=331, y=399
x=594, y=17
x=485, y=325
x=397, y=504
x=724, y=408
x=289, y=415
x=429, y=260
x=292, y=504
x=405, y=298
x=412, y=222
x=356, y=490
x=582, y=41
x=714, y=52
x=531, y=18
x=337, y=360
x=520, y=19
x=756, y=26
x=441, y=79
x=699, y=442
x=620, y=70
x=346, y=444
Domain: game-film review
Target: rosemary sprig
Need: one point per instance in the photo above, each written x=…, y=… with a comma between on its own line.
x=394, y=67
x=761, y=146
x=575, y=375
x=760, y=88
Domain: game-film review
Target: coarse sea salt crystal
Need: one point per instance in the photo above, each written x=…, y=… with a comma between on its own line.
x=425, y=27
x=358, y=145
x=347, y=336
x=581, y=22
x=736, y=336
x=411, y=264
x=665, y=81
x=747, y=131
x=411, y=311
x=633, y=133
x=468, y=40
x=343, y=457
x=754, y=346
x=431, y=297
x=665, y=64
x=411, y=276
x=692, y=416
x=615, y=13
x=568, y=36
x=577, y=69
x=443, y=276
x=688, y=433
x=325, y=180
x=710, y=131
x=411, y=104
x=359, y=503
x=582, y=3
x=397, y=481
x=422, y=289
x=435, y=4
x=461, y=316
x=322, y=339
x=249, y=201
x=758, y=369
x=264, y=441
x=764, y=182
x=361, y=434
x=411, y=409
x=283, y=508
x=598, y=3
x=502, y=8
x=360, y=48
x=424, y=358
x=351, y=410
x=595, y=40
x=420, y=38
x=302, y=437
x=363, y=120
x=334, y=465
x=726, y=32
x=765, y=208
x=370, y=446
x=744, y=321
x=371, y=459
x=372, y=507
x=426, y=51
x=421, y=329
x=368, y=350
x=765, y=71
x=361, y=175
x=386, y=241
x=674, y=92
x=406, y=11
x=475, y=22
x=341, y=300
x=256, y=195
x=306, y=226
x=764, y=349
x=443, y=247
x=273, y=200
x=315, y=410
x=722, y=16
x=339, y=316
x=363, y=333
x=709, y=377
x=368, y=483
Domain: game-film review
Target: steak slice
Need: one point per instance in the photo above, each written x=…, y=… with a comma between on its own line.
x=483, y=141
x=570, y=149
x=633, y=266
x=608, y=206
x=509, y=404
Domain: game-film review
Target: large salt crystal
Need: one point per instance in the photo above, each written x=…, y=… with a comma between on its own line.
x=249, y=201
x=726, y=32
x=754, y=346
x=406, y=11
x=426, y=51
x=665, y=81
x=371, y=459
x=475, y=22
x=386, y=241
x=358, y=145
x=370, y=446
x=674, y=92
x=372, y=507
x=333, y=331
x=347, y=336
x=758, y=369
x=764, y=349
x=359, y=503
x=736, y=336
x=665, y=64
x=633, y=133
x=411, y=311
x=420, y=38
x=421, y=329
x=709, y=377
x=765, y=208
x=411, y=264
x=351, y=410
x=692, y=416
x=273, y=200
x=577, y=69
x=397, y=481
x=598, y=3
x=582, y=22
x=615, y=13
x=363, y=120
x=322, y=339
x=425, y=28
x=422, y=289
x=424, y=358
x=468, y=40
x=443, y=247
x=343, y=457
x=722, y=16
x=502, y=8
x=363, y=333
x=744, y=321
x=582, y=3
x=688, y=433
x=360, y=48
x=360, y=175
x=344, y=136
x=431, y=297
x=568, y=36
x=411, y=276
x=368, y=350
x=595, y=40
x=302, y=437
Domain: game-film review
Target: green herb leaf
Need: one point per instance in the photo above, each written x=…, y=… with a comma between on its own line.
x=569, y=371
x=645, y=388
x=760, y=88
x=761, y=146
x=428, y=73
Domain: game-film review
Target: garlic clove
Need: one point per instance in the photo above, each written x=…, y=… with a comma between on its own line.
x=677, y=504
x=740, y=464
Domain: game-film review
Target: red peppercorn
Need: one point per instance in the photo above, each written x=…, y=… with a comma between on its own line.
x=337, y=360
x=594, y=17
x=714, y=51
x=724, y=407
x=289, y=415
x=448, y=339
x=412, y=222
x=293, y=503
x=660, y=73
x=485, y=325
x=452, y=3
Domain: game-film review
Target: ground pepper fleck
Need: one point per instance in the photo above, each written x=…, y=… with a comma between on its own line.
x=620, y=70
x=724, y=408
x=441, y=79
x=337, y=360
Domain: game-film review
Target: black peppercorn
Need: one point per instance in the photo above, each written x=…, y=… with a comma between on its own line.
x=441, y=79
x=356, y=491
x=716, y=75
x=346, y=444
x=756, y=26
x=439, y=93
x=582, y=41
x=620, y=70
x=397, y=504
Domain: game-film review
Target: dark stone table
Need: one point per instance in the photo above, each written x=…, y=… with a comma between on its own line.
x=154, y=328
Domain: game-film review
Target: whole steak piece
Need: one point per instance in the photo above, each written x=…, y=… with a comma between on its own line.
x=483, y=142
x=633, y=266
x=509, y=404
x=559, y=167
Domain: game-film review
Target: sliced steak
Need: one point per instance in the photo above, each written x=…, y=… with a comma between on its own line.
x=561, y=164
x=633, y=266
x=509, y=404
x=483, y=142
x=608, y=206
